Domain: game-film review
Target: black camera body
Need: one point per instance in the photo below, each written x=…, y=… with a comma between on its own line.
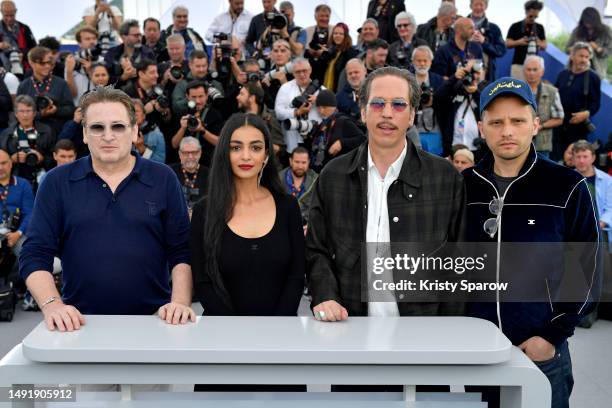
x=318, y=38
x=277, y=21
x=426, y=95
x=176, y=72
x=469, y=77
x=26, y=146
x=160, y=97
x=43, y=102
x=192, y=120
x=302, y=99
x=224, y=64
x=253, y=76
x=89, y=54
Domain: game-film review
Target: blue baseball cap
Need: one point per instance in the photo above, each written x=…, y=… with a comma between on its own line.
x=504, y=86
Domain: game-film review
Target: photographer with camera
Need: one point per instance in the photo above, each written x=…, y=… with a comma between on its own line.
x=340, y=50
x=78, y=66
x=177, y=66
x=16, y=40
x=155, y=99
x=429, y=82
x=456, y=104
x=526, y=37
x=439, y=29
x=151, y=28
x=457, y=49
x=198, y=71
x=17, y=201
x=150, y=142
x=336, y=135
x=122, y=59
x=488, y=35
x=191, y=174
x=580, y=91
x=180, y=23
x=295, y=100
x=235, y=21
x=201, y=121
x=29, y=142
x=259, y=24
x=226, y=68
x=51, y=94
x=251, y=100
x=316, y=40
x=400, y=51
x=291, y=32
x=281, y=70
x=348, y=97
x=106, y=19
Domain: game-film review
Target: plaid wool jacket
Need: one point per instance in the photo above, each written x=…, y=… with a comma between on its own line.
x=426, y=204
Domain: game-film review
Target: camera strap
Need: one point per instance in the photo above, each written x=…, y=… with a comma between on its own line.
x=585, y=89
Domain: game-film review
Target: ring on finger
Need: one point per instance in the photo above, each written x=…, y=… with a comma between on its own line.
x=321, y=314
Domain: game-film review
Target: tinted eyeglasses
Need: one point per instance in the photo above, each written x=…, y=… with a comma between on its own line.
x=403, y=25
x=98, y=129
x=491, y=225
x=397, y=104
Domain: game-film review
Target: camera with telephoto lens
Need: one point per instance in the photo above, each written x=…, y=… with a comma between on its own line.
x=278, y=21
x=27, y=145
x=287, y=69
x=302, y=99
x=426, y=95
x=213, y=93
x=14, y=56
x=469, y=76
x=176, y=72
x=43, y=102
x=192, y=120
x=303, y=126
x=160, y=97
x=319, y=38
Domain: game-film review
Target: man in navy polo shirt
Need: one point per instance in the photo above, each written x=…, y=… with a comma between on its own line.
x=117, y=222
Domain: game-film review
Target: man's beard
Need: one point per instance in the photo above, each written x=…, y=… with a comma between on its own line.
x=298, y=173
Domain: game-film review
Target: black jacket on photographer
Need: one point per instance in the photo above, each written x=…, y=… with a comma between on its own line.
x=226, y=105
x=447, y=100
x=336, y=127
x=426, y=120
x=494, y=47
x=45, y=141
x=272, y=90
x=318, y=38
x=385, y=15
x=6, y=103
x=400, y=55
x=113, y=56
x=57, y=90
x=256, y=29
x=213, y=122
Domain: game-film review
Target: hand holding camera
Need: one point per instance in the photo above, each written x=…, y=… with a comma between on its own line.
x=478, y=37
x=49, y=109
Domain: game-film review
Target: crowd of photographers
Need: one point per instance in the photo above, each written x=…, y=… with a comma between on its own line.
x=303, y=81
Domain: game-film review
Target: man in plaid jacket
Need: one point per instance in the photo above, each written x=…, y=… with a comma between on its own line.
x=385, y=191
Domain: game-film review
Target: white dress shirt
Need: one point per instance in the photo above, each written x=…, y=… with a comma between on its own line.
x=377, y=230
x=284, y=110
x=224, y=23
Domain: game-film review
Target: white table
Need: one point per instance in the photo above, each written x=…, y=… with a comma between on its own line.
x=404, y=351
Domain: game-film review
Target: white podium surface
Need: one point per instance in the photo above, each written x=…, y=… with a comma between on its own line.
x=278, y=340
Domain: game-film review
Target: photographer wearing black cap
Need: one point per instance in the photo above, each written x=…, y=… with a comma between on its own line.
x=28, y=142
x=336, y=135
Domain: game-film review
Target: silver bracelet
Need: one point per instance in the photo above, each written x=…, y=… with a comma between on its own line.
x=50, y=300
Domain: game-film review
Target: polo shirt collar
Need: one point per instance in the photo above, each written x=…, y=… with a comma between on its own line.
x=82, y=168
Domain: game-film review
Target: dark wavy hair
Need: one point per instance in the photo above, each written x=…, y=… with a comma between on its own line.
x=221, y=194
x=590, y=16
x=347, y=42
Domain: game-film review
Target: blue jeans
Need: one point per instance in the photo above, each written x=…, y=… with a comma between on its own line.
x=559, y=373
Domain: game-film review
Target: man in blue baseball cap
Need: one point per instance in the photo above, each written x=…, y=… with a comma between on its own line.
x=536, y=201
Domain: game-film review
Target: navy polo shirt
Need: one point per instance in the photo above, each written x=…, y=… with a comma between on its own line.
x=116, y=249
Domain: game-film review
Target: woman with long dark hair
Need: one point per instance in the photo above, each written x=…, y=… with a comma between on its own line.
x=597, y=34
x=247, y=240
x=340, y=50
